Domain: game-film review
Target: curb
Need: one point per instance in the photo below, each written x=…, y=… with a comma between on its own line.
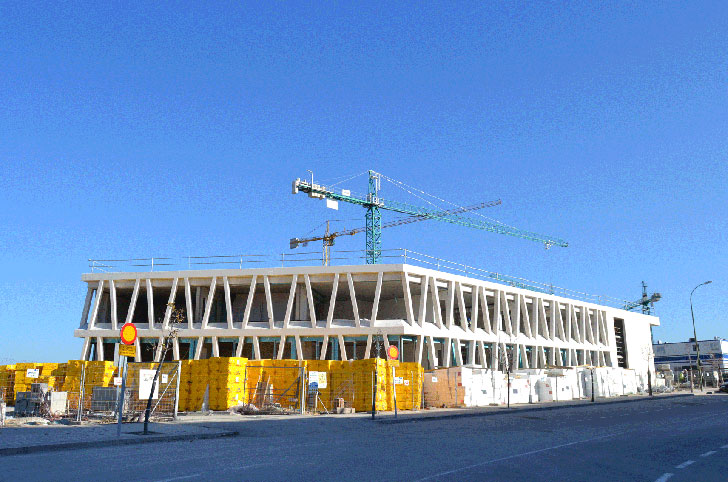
x=465, y=414
x=32, y=449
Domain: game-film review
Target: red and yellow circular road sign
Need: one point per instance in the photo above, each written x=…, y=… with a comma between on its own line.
x=393, y=352
x=128, y=334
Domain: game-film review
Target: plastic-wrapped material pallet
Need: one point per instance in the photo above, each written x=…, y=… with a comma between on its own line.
x=443, y=388
x=464, y=387
x=520, y=389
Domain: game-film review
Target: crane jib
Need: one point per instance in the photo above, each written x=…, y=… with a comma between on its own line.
x=373, y=203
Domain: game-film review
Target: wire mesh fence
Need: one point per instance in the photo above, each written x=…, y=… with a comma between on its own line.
x=92, y=389
x=329, y=390
x=355, y=387
x=165, y=398
x=83, y=389
x=275, y=389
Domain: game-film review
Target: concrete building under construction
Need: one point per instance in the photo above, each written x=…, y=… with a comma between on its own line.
x=435, y=317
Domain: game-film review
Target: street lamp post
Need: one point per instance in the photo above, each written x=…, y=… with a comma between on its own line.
x=695, y=336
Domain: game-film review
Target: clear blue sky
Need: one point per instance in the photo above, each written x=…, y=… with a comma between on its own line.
x=153, y=129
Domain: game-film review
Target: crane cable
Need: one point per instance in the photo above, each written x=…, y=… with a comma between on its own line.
x=344, y=180
x=402, y=185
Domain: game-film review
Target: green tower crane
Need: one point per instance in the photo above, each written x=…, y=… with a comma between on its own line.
x=646, y=303
x=374, y=204
x=329, y=237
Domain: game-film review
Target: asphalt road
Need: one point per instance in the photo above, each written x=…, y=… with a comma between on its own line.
x=684, y=439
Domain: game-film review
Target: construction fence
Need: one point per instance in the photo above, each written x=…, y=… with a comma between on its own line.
x=299, y=385
x=82, y=389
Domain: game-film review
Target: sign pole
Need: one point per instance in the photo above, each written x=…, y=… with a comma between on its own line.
x=121, y=395
x=127, y=349
x=592, y=384
x=81, y=393
x=394, y=389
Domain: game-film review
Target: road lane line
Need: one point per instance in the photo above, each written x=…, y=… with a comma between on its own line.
x=664, y=477
x=685, y=464
x=243, y=467
x=722, y=446
x=708, y=453
x=487, y=462
x=181, y=477
x=258, y=453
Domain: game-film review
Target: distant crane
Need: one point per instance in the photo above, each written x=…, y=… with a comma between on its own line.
x=374, y=204
x=329, y=238
x=646, y=302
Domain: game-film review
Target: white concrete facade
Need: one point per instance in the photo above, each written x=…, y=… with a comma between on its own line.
x=339, y=312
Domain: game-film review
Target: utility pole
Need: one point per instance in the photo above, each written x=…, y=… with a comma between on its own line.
x=690, y=363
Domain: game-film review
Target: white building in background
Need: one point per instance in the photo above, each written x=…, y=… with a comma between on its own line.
x=682, y=355
x=349, y=312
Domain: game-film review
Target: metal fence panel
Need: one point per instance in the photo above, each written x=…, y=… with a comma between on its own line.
x=275, y=389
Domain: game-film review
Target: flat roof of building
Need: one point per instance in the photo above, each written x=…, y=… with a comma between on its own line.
x=292, y=259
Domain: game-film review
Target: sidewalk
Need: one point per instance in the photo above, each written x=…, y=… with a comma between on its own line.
x=196, y=426
x=443, y=413
x=44, y=438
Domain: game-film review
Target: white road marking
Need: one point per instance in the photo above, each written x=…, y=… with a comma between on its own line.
x=249, y=450
x=243, y=467
x=664, y=477
x=708, y=453
x=722, y=446
x=181, y=477
x=472, y=466
x=685, y=464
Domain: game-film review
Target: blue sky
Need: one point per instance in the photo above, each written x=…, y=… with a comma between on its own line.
x=175, y=129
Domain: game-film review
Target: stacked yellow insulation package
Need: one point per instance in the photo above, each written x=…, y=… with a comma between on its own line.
x=275, y=382
x=409, y=393
x=185, y=382
x=52, y=374
x=7, y=382
x=385, y=393
x=352, y=381
x=227, y=382
x=255, y=384
x=198, y=381
x=22, y=382
x=72, y=380
x=325, y=392
x=98, y=374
